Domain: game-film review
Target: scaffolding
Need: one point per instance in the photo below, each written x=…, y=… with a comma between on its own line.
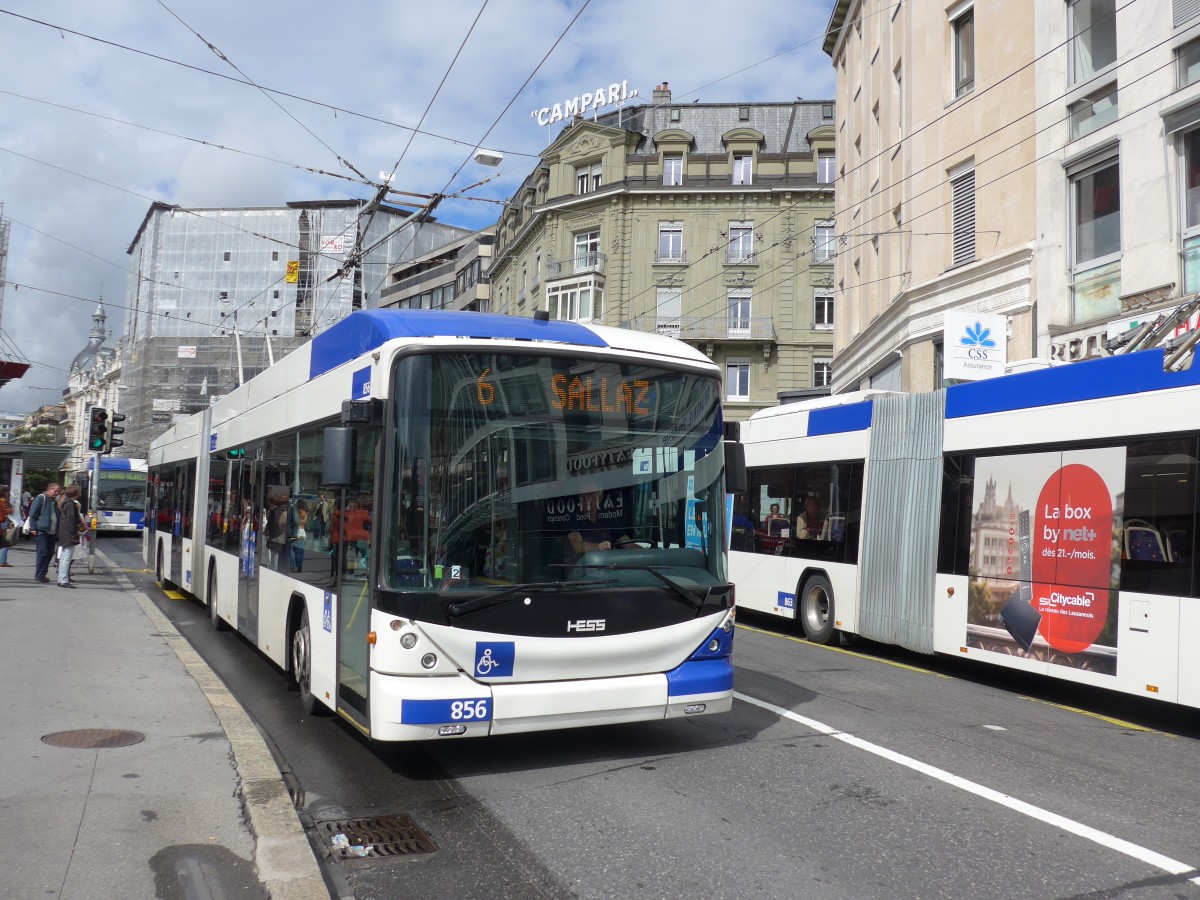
x=215, y=295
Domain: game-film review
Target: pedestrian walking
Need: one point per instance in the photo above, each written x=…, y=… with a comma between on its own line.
x=43, y=524
x=7, y=532
x=70, y=528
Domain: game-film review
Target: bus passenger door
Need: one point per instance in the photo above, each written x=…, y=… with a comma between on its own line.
x=353, y=535
x=250, y=496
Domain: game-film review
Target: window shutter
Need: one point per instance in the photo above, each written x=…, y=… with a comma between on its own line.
x=1184, y=10
x=963, y=194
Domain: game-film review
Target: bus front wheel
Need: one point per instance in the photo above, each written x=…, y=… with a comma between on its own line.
x=302, y=667
x=816, y=610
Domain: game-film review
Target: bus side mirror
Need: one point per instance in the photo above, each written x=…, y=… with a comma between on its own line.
x=337, y=464
x=735, y=467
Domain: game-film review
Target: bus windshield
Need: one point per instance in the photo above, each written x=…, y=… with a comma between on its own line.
x=513, y=469
x=121, y=491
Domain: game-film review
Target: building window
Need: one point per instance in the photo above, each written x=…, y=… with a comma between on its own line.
x=274, y=256
x=962, y=28
x=823, y=242
x=741, y=243
x=1188, y=63
x=226, y=256
x=823, y=312
x=898, y=74
x=1093, y=33
x=737, y=379
x=827, y=111
x=675, y=114
x=1096, y=240
x=588, y=178
x=275, y=296
x=826, y=167
x=739, y=311
x=743, y=114
x=743, y=165
x=669, y=303
x=1093, y=112
x=670, y=242
x=962, y=195
x=822, y=372
x=1191, y=212
x=587, y=251
x=673, y=169
x=574, y=301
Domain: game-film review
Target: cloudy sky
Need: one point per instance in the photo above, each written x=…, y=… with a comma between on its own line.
x=108, y=105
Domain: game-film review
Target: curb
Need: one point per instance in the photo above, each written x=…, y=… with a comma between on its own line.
x=283, y=855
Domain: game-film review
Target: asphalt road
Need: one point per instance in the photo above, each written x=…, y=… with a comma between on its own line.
x=840, y=773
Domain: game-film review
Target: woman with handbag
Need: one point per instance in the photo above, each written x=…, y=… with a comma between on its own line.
x=7, y=531
x=70, y=528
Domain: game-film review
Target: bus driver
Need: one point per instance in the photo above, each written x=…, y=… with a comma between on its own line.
x=589, y=532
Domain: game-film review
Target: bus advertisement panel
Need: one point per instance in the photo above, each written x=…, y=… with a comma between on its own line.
x=1045, y=556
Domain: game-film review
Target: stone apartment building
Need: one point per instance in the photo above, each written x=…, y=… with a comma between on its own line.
x=983, y=153
x=710, y=222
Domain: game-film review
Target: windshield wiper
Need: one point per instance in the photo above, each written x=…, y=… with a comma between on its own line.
x=489, y=600
x=684, y=595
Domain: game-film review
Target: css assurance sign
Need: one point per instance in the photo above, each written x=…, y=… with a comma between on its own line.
x=976, y=345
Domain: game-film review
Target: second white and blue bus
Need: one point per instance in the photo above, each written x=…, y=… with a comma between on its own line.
x=1045, y=521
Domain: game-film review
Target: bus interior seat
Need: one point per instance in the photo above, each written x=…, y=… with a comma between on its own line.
x=1143, y=542
x=834, y=529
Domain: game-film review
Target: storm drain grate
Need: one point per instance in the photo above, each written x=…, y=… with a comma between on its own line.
x=93, y=738
x=376, y=838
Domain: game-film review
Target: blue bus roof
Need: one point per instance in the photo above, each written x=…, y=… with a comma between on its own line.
x=118, y=464
x=367, y=329
x=1094, y=379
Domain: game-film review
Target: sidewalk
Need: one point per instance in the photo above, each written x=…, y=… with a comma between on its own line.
x=164, y=788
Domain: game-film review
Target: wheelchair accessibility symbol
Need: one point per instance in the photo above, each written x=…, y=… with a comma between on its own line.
x=495, y=659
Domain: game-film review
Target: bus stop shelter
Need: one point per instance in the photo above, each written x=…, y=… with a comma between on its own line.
x=17, y=459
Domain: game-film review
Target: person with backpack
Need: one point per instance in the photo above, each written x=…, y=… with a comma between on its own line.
x=43, y=523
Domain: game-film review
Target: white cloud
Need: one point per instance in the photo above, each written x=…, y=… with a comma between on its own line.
x=382, y=61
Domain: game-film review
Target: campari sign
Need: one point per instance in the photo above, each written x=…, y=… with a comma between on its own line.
x=976, y=345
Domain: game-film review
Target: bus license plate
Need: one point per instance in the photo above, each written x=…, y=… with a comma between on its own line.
x=438, y=712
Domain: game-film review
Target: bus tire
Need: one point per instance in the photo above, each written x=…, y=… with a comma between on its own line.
x=817, y=610
x=302, y=667
x=210, y=589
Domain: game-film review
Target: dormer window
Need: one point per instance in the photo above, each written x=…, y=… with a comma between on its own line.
x=588, y=178
x=673, y=169
x=743, y=166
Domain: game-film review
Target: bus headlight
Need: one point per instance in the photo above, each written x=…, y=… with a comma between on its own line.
x=429, y=660
x=408, y=640
x=727, y=625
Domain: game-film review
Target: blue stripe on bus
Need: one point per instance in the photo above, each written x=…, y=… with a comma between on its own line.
x=701, y=676
x=1112, y=376
x=367, y=329
x=837, y=419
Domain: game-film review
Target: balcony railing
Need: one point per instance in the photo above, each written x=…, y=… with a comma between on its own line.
x=708, y=328
x=737, y=257
x=671, y=256
x=579, y=264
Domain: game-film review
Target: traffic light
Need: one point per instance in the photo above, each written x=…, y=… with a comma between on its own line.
x=97, y=429
x=113, y=430
x=236, y=453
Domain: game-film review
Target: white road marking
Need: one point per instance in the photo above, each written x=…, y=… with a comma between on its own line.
x=1142, y=854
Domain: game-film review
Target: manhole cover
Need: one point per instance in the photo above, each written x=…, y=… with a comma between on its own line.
x=93, y=738
x=381, y=838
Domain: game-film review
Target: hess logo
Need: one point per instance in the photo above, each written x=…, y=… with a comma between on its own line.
x=581, y=625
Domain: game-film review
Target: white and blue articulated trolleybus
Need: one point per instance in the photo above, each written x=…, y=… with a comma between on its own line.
x=1046, y=521
x=459, y=524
